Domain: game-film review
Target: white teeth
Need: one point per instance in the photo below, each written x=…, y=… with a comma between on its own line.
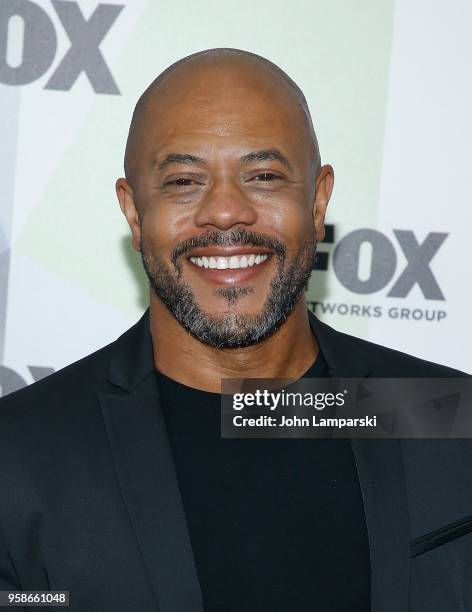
x=234, y=262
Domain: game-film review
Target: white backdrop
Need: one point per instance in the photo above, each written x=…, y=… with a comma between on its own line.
x=388, y=86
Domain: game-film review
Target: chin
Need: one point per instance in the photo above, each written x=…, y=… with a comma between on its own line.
x=229, y=310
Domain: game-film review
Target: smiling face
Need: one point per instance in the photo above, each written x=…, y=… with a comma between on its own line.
x=221, y=199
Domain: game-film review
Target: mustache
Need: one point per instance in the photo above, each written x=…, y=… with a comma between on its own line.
x=240, y=237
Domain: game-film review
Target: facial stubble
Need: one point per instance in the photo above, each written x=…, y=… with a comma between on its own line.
x=230, y=329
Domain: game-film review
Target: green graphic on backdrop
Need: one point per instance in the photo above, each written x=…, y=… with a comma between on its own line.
x=338, y=52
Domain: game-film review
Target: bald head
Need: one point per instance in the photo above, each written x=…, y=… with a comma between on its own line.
x=221, y=71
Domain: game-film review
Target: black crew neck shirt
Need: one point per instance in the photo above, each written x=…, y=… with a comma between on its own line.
x=277, y=524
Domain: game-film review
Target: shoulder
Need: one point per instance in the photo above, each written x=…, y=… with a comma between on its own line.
x=357, y=357
x=126, y=359
x=388, y=362
x=76, y=380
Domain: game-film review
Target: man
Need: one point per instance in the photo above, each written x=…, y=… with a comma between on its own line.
x=116, y=483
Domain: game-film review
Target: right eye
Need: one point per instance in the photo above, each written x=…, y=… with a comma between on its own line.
x=182, y=182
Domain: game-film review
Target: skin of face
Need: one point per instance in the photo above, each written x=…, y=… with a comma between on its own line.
x=225, y=147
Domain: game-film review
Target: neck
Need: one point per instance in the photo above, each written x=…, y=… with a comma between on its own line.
x=288, y=353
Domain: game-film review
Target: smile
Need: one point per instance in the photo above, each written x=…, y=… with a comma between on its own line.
x=232, y=263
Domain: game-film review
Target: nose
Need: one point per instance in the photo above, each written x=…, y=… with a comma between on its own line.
x=225, y=206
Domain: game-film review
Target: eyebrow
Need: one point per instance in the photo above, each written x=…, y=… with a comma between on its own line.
x=254, y=156
x=180, y=158
x=266, y=155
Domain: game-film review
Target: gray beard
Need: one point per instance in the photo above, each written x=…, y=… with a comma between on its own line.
x=231, y=329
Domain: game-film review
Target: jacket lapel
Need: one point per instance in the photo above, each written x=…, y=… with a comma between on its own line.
x=382, y=480
x=146, y=473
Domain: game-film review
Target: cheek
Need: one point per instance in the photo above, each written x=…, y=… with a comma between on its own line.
x=161, y=231
x=292, y=224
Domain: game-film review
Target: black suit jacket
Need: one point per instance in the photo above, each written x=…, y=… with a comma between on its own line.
x=90, y=502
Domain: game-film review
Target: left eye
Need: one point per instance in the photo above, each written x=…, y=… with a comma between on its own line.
x=266, y=177
x=182, y=182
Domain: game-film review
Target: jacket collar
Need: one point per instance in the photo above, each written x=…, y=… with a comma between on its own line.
x=132, y=356
x=343, y=358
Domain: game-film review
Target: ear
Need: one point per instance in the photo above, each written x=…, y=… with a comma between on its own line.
x=128, y=208
x=323, y=188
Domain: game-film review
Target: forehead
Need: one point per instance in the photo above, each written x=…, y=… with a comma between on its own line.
x=219, y=106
